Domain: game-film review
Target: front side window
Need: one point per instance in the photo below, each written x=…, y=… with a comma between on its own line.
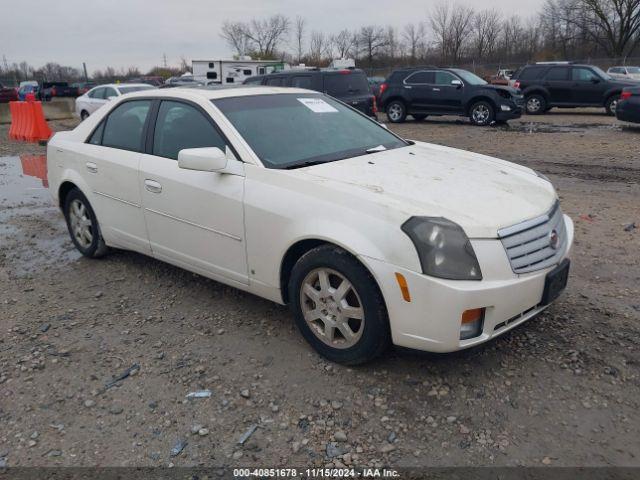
x=97, y=93
x=124, y=125
x=181, y=126
x=294, y=130
x=274, y=82
x=584, y=75
x=444, y=78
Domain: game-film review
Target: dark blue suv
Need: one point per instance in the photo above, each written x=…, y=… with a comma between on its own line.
x=423, y=91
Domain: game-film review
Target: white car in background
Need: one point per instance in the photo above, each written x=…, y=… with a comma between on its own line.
x=293, y=196
x=96, y=97
x=625, y=73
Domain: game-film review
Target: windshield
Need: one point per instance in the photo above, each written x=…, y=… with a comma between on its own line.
x=601, y=73
x=633, y=69
x=135, y=88
x=468, y=77
x=294, y=130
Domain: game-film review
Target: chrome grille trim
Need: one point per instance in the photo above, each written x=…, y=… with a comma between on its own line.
x=528, y=243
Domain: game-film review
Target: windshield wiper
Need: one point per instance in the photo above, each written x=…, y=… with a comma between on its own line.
x=306, y=164
x=379, y=148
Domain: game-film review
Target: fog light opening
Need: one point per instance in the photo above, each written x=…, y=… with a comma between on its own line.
x=471, y=323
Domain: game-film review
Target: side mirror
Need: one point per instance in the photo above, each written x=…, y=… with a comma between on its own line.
x=208, y=159
x=456, y=83
x=595, y=80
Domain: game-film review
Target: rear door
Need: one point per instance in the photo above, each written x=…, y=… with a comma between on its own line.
x=194, y=219
x=588, y=87
x=445, y=97
x=350, y=87
x=96, y=99
x=111, y=158
x=419, y=89
x=556, y=80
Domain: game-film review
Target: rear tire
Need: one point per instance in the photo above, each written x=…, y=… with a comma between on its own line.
x=84, y=115
x=330, y=292
x=396, y=111
x=482, y=113
x=535, y=104
x=83, y=225
x=611, y=104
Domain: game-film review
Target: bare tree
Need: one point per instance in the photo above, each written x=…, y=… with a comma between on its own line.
x=461, y=18
x=267, y=34
x=414, y=37
x=344, y=43
x=371, y=40
x=235, y=33
x=440, y=19
x=613, y=24
x=299, y=29
x=318, y=46
x=485, y=29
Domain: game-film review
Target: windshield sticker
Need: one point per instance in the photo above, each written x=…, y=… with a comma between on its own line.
x=317, y=105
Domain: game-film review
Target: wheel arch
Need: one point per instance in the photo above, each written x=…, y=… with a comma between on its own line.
x=536, y=91
x=478, y=98
x=394, y=98
x=63, y=191
x=611, y=93
x=301, y=247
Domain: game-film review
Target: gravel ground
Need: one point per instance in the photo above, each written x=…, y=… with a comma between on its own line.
x=563, y=389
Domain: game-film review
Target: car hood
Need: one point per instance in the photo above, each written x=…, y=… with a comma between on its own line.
x=482, y=194
x=511, y=90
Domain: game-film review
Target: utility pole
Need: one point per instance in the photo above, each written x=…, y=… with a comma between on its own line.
x=84, y=67
x=164, y=60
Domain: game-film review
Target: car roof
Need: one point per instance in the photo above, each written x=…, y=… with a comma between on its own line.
x=212, y=94
x=118, y=85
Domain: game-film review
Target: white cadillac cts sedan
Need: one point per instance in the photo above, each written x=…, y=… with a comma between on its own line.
x=296, y=197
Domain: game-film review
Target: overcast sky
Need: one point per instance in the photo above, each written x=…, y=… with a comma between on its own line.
x=124, y=33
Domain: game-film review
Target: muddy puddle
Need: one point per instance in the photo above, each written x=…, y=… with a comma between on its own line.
x=582, y=128
x=33, y=234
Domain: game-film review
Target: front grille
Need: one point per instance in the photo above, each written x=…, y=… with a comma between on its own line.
x=529, y=245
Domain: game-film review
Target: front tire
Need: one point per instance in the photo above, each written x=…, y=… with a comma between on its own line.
x=482, y=113
x=84, y=115
x=396, y=111
x=535, y=104
x=83, y=225
x=338, y=306
x=611, y=104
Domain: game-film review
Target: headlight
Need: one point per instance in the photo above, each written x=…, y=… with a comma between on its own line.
x=443, y=248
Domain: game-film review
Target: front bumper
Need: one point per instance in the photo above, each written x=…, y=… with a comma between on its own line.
x=515, y=111
x=431, y=320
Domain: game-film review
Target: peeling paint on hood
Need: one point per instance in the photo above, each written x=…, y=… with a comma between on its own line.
x=482, y=194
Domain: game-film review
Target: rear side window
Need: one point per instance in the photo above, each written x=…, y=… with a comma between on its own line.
x=275, y=82
x=557, y=73
x=343, y=84
x=301, y=82
x=420, y=78
x=110, y=92
x=124, y=125
x=181, y=126
x=531, y=73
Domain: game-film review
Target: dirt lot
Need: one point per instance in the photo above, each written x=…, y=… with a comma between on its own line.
x=563, y=389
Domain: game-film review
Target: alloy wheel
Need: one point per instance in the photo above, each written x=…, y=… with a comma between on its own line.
x=395, y=112
x=481, y=113
x=533, y=105
x=332, y=308
x=81, y=225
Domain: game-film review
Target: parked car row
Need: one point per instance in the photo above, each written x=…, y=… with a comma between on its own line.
x=44, y=91
x=96, y=97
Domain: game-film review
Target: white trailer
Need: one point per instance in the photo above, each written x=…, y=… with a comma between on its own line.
x=233, y=71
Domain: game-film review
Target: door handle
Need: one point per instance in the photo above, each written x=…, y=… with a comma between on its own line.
x=407, y=86
x=436, y=89
x=152, y=186
x=92, y=167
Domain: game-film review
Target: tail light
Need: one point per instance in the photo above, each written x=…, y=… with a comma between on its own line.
x=345, y=72
x=383, y=87
x=53, y=91
x=516, y=84
x=625, y=95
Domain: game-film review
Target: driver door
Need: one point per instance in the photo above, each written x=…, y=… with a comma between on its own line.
x=588, y=87
x=194, y=219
